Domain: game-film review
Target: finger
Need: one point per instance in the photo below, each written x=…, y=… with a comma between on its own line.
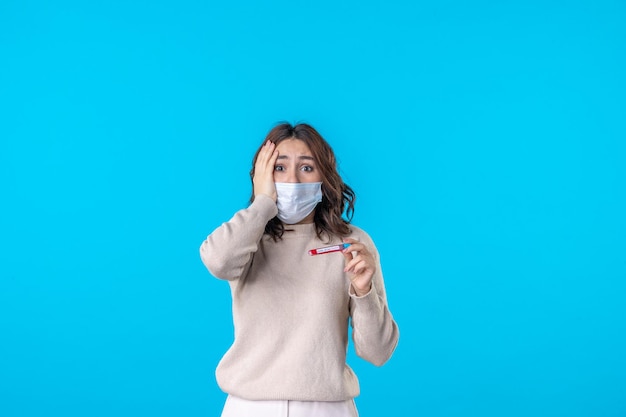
x=350, y=240
x=361, y=267
x=348, y=257
x=266, y=161
x=270, y=159
x=351, y=265
x=264, y=153
x=273, y=157
x=357, y=247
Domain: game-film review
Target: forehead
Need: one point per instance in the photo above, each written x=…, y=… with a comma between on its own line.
x=293, y=147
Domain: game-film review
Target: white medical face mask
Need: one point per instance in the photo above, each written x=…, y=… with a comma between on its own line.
x=296, y=200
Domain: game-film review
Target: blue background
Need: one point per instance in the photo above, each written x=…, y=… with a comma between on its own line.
x=485, y=141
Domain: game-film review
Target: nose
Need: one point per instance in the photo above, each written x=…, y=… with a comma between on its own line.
x=292, y=176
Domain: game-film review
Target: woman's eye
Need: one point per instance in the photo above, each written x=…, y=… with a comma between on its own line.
x=307, y=168
x=279, y=168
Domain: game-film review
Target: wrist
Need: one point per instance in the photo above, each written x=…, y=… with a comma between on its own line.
x=272, y=197
x=360, y=292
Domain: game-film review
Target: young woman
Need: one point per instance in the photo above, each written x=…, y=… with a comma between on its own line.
x=291, y=308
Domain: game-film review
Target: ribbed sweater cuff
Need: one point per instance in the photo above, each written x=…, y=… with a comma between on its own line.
x=366, y=301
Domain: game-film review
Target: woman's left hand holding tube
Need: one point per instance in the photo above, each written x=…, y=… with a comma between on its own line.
x=360, y=264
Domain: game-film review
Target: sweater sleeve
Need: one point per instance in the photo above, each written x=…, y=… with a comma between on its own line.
x=374, y=331
x=229, y=249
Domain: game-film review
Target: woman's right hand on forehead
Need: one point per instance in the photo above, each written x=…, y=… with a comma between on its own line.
x=264, y=171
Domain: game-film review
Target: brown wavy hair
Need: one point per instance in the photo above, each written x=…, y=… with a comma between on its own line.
x=337, y=196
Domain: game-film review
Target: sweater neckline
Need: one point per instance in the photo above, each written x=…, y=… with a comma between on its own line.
x=297, y=230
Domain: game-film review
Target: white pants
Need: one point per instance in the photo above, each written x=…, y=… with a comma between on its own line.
x=238, y=407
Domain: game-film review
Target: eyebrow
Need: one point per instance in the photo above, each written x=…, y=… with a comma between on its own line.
x=305, y=157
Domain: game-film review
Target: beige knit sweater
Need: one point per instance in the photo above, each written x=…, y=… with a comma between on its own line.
x=291, y=311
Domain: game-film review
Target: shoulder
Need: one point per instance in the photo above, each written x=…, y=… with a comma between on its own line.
x=360, y=234
x=364, y=237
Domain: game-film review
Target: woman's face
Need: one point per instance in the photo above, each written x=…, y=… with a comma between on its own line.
x=295, y=163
